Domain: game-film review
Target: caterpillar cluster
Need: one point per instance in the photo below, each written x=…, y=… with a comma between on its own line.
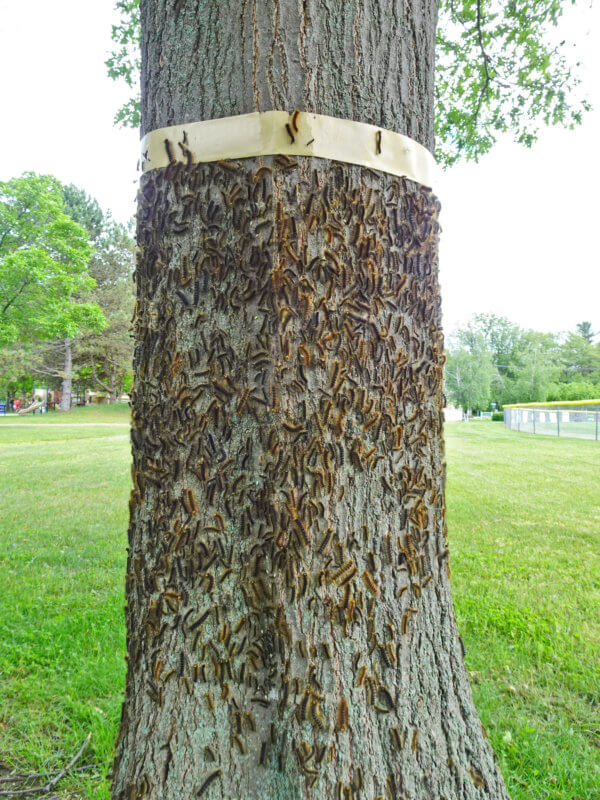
x=286, y=511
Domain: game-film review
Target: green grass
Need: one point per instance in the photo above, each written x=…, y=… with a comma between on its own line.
x=62, y=559
x=585, y=429
x=524, y=522
x=23, y=434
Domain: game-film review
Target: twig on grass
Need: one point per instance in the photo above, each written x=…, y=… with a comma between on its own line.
x=47, y=787
x=24, y=777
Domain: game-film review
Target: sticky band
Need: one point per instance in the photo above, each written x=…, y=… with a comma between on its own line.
x=297, y=134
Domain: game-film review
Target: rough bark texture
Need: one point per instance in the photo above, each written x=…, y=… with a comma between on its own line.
x=67, y=381
x=366, y=60
x=290, y=630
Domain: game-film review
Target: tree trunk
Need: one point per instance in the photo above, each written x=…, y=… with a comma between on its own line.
x=113, y=385
x=65, y=397
x=290, y=631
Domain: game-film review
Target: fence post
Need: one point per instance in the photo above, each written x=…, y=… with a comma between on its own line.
x=558, y=423
x=597, y=418
x=534, y=414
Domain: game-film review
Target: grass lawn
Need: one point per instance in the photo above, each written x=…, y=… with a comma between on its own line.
x=524, y=527
x=524, y=522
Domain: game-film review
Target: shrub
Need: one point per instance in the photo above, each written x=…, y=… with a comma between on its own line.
x=498, y=416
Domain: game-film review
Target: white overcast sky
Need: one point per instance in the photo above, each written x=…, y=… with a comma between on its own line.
x=520, y=229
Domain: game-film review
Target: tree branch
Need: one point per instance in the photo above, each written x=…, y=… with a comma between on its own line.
x=97, y=380
x=9, y=230
x=486, y=64
x=12, y=300
x=52, y=783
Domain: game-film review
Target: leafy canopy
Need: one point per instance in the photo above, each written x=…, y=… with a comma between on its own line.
x=469, y=375
x=527, y=366
x=85, y=210
x=498, y=70
x=107, y=355
x=43, y=264
x=584, y=329
x=125, y=61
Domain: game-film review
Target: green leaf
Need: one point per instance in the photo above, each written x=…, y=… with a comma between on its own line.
x=44, y=256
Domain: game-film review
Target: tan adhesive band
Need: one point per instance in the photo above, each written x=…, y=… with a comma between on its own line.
x=298, y=134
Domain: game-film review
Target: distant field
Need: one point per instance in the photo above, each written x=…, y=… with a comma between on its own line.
x=117, y=412
x=524, y=521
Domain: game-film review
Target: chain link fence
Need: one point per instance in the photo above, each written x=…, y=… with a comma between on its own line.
x=579, y=419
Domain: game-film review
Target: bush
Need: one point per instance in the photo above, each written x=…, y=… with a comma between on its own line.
x=575, y=390
x=498, y=416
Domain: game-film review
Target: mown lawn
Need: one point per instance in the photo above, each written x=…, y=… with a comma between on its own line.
x=524, y=521
x=63, y=524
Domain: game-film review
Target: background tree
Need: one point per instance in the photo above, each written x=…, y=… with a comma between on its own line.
x=68, y=307
x=52, y=362
x=107, y=354
x=103, y=358
x=43, y=264
x=43, y=269
x=500, y=337
x=584, y=329
x=579, y=359
x=469, y=375
x=289, y=624
x=85, y=210
x=529, y=366
x=535, y=367
x=16, y=369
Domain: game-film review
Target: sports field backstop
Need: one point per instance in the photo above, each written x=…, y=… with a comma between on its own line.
x=578, y=418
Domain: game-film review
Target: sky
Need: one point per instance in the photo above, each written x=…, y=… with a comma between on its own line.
x=520, y=228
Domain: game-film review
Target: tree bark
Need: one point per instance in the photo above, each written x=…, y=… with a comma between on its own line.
x=67, y=381
x=290, y=630
x=112, y=398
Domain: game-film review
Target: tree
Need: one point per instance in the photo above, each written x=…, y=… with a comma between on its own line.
x=85, y=210
x=43, y=269
x=469, y=375
x=15, y=371
x=43, y=261
x=574, y=390
x=525, y=361
x=536, y=367
x=107, y=354
x=501, y=338
x=52, y=362
x=579, y=358
x=497, y=334
x=290, y=631
x=584, y=329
